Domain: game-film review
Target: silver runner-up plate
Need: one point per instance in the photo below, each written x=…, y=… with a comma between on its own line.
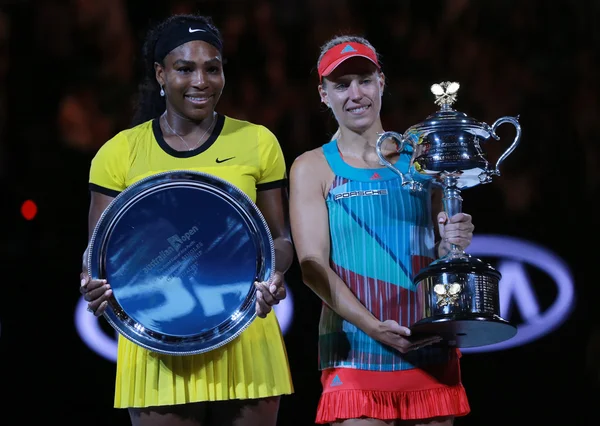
x=181, y=251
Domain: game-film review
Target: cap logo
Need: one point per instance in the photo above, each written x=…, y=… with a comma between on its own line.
x=347, y=49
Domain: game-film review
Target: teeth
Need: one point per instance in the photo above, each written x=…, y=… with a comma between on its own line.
x=359, y=109
x=197, y=99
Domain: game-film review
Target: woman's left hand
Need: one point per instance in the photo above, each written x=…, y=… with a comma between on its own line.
x=269, y=294
x=457, y=230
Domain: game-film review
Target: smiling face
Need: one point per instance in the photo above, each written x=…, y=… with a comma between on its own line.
x=193, y=79
x=353, y=92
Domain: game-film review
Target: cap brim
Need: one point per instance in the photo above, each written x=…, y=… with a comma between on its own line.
x=338, y=61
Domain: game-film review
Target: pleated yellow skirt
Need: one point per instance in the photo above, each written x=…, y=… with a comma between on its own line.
x=254, y=365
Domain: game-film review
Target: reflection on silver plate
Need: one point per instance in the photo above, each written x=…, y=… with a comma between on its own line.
x=181, y=251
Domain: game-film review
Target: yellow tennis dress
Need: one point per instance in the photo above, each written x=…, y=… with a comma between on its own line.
x=255, y=364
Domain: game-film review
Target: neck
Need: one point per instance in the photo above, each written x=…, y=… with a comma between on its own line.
x=185, y=126
x=180, y=138
x=359, y=141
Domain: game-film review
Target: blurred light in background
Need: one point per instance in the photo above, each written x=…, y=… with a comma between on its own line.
x=29, y=209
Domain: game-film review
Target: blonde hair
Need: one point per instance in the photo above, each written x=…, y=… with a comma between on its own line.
x=336, y=135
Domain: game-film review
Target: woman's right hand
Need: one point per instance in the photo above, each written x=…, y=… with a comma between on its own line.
x=96, y=293
x=391, y=333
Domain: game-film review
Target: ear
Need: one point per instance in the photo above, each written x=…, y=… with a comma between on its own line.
x=159, y=72
x=381, y=83
x=323, y=95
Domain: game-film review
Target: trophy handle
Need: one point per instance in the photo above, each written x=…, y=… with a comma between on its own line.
x=406, y=180
x=515, y=122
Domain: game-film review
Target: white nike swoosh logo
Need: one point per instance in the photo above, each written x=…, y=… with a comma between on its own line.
x=195, y=30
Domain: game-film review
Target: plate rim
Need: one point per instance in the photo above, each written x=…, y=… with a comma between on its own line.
x=135, y=331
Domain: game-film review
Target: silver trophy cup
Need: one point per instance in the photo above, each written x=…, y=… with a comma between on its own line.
x=458, y=294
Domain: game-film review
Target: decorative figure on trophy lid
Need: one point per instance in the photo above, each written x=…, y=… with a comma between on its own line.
x=458, y=294
x=445, y=93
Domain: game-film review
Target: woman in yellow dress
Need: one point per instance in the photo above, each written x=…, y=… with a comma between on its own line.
x=176, y=127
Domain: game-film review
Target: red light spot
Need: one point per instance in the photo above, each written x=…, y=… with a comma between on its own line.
x=29, y=209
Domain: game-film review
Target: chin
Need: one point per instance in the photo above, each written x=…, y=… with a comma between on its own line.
x=199, y=114
x=361, y=126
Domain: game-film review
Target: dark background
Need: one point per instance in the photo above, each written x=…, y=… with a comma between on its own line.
x=68, y=70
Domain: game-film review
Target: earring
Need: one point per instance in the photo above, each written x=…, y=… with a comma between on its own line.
x=162, y=91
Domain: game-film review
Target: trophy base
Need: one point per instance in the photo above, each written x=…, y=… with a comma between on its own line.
x=466, y=331
x=458, y=299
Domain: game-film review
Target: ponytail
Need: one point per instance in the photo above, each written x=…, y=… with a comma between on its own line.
x=336, y=135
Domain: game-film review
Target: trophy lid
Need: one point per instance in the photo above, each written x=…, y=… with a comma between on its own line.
x=447, y=118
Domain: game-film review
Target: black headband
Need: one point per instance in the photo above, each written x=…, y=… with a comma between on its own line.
x=182, y=33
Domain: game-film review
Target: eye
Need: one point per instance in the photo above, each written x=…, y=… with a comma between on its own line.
x=341, y=86
x=367, y=80
x=184, y=69
x=214, y=69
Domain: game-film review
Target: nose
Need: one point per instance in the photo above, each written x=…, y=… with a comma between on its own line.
x=355, y=91
x=199, y=79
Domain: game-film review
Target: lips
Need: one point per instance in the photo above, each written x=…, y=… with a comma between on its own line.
x=358, y=109
x=198, y=99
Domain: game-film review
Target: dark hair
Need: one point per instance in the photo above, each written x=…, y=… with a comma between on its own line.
x=149, y=104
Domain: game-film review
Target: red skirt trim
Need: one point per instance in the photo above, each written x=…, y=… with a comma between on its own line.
x=405, y=395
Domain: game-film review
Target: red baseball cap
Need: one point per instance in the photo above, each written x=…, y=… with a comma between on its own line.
x=340, y=52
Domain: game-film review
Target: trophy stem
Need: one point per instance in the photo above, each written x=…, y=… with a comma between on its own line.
x=452, y=202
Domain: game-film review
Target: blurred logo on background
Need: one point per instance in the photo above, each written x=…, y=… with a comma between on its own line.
x=537, y=292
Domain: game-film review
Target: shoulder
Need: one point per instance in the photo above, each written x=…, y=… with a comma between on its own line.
x=310, y=165
x=124, y=138
x=314, y=157
x=244, y=131
x=140, y=129
x=236, y=124
x=114, y=147
x=246, y=128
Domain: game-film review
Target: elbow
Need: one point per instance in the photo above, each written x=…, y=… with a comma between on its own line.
x=315, y=275
x=311, y=271
x=284, y=243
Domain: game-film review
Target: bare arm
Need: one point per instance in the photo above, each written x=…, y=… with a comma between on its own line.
x=310, y=230
x=95, y=292
x=274, y=207
x=273, y=204
x=99, y=203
